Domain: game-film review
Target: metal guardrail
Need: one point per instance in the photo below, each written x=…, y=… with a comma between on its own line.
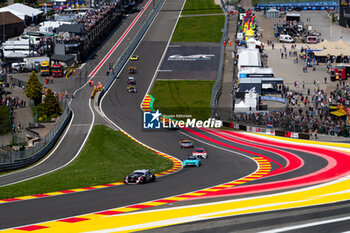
x=10, y=160
x=217, y=86
x=128, y=51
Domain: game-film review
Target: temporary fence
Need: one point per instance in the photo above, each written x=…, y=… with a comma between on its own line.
x=128, y=51
x=11, y=159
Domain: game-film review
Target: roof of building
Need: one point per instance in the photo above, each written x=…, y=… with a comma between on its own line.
x=21, y=10
x=74, y=28
x=7, y=18
x=63, y=58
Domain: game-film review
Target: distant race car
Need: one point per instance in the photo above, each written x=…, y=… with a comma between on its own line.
x=192, y=161
x=140, y=177
x=131, y=80
x=131, y=89
x=134, y=57
x=132, y=70
x=200, y=153
x=186, y=144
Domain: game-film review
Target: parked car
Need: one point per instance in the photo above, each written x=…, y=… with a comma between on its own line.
x=286, y=38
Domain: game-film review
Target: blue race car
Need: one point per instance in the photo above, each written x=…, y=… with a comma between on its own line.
x=192, y=161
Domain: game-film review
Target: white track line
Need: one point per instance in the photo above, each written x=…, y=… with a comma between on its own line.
x=283, y=229
x=64, y=165
x=164, y=53
x=70, y=124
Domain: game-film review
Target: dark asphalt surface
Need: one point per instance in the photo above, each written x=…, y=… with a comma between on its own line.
x=124, y=109
x=82, y=117
x=275, y=220
x=185, y=66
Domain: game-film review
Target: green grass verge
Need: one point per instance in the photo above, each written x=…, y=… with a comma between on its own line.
x=198, y=7
x=190, y=97
x=283, y=1
x=199, y=29
x=107, y=157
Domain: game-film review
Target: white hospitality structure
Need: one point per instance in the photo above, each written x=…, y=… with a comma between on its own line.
x=21, y=11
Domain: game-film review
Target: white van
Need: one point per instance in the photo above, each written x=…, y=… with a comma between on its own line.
x=286, y=38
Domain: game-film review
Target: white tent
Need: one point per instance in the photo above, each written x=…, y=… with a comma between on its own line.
x=241, y=107
x=21, y=10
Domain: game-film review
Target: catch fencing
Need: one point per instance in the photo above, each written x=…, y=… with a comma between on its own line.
x=25, y=156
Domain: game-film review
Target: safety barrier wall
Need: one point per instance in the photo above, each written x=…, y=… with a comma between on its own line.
x=11, y=160
x=128, y=51
x=268, y=131
x=217, y=86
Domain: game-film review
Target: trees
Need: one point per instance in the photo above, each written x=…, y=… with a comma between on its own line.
x=5, y=119
x=34, y=88
x=50, y=105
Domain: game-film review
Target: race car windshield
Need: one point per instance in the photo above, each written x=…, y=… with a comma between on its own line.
x=199, y=150
x=137, y=173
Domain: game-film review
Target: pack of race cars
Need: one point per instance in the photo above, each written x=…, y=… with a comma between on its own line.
x=198, y=153
x=131, y=79
x=143, y=176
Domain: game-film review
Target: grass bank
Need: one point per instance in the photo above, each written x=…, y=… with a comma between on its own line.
x=189, y=97
x=107, y=157
x=199, y=29
x=198, y=7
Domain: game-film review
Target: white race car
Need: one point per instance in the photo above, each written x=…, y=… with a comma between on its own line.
x=200, y=153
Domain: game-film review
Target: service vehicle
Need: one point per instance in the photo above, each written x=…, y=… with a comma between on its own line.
x=200, y=153
x=45, y=68
x=134, y=57
x=192, y=161
x=286, y=38
x=132, y=70
x=186, y=144
x=19, y=66
x=57, y=70
x=312, y=39
x=131, y=80
x=131, y=89
x=141, y=176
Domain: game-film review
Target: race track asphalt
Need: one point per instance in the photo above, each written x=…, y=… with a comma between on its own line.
x=123, y=109
x=82, y=120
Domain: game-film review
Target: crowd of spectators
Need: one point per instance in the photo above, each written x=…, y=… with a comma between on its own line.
x=13, y=103
x=307, y=114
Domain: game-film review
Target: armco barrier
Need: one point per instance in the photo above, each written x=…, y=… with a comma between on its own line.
x=127, y=52
x=216, y=89
x=21, y=162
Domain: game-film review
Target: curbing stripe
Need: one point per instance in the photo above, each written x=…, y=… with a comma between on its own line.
x=177, y=165
x=264, y=169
